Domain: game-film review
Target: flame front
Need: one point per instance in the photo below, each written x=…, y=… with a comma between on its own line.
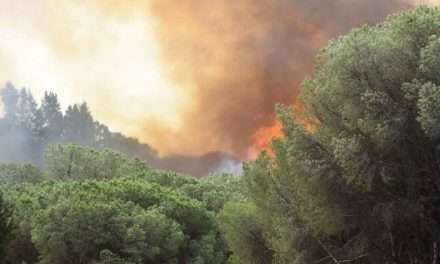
x=262, y=139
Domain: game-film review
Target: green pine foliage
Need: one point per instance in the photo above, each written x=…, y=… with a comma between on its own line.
x=92, y=206
x=363, y=185
x=7, y=226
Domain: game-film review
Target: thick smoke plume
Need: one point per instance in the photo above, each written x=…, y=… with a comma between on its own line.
x=235, y=59
x=230, y=61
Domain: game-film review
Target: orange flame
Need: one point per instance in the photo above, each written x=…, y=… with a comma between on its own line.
x=262, y=139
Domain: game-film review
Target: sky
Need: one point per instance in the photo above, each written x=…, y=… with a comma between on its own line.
x=186, y=76
x=82, y=54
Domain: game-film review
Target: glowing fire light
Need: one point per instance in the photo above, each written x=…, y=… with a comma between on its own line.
x=262, y=139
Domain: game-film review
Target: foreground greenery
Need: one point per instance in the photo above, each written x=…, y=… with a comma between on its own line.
x=360, y=185
x=101, y=207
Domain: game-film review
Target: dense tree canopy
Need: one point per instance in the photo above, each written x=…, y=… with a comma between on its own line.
x=7, y=226
x=92, y=206
x=363, y=184
x=11, y=174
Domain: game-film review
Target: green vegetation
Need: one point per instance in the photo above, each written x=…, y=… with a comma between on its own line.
x=364, y=185
x=94, y=206
x=11, y=174
x=7, y=226
x=361, y=186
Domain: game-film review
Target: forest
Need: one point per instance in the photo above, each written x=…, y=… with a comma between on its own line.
x=27, y=128
x=354, y=178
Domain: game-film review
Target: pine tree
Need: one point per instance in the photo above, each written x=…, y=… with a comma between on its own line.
x=9, y=95
x=364, y=185
x=52, y=118
x=7, y=226
x=79, y=126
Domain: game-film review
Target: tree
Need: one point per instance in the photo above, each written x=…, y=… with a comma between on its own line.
x=7, y=226
x=87, y=125
x=362, y=184
x=127, y=219
x=74, y=162
x=77, y=231
x=11, y=174
x=28, y=115
x=52, y=118
x=244, y=232
x=21, y=128
x=9, y=96
x=79, y=126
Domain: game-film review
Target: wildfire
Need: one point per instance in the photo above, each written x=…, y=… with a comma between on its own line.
x=262, y=139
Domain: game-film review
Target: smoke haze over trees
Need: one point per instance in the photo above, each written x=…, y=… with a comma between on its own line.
x=227, y=61
x=234, y=60
x=27, y=128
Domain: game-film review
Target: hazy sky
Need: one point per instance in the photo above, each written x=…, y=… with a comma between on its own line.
x=83, y=54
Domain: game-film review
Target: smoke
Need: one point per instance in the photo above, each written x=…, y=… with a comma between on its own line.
x=16, y=141
x=235, y=60
x=213, y=162
x=221, y=65
x=230, y=166
x=26, y=129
